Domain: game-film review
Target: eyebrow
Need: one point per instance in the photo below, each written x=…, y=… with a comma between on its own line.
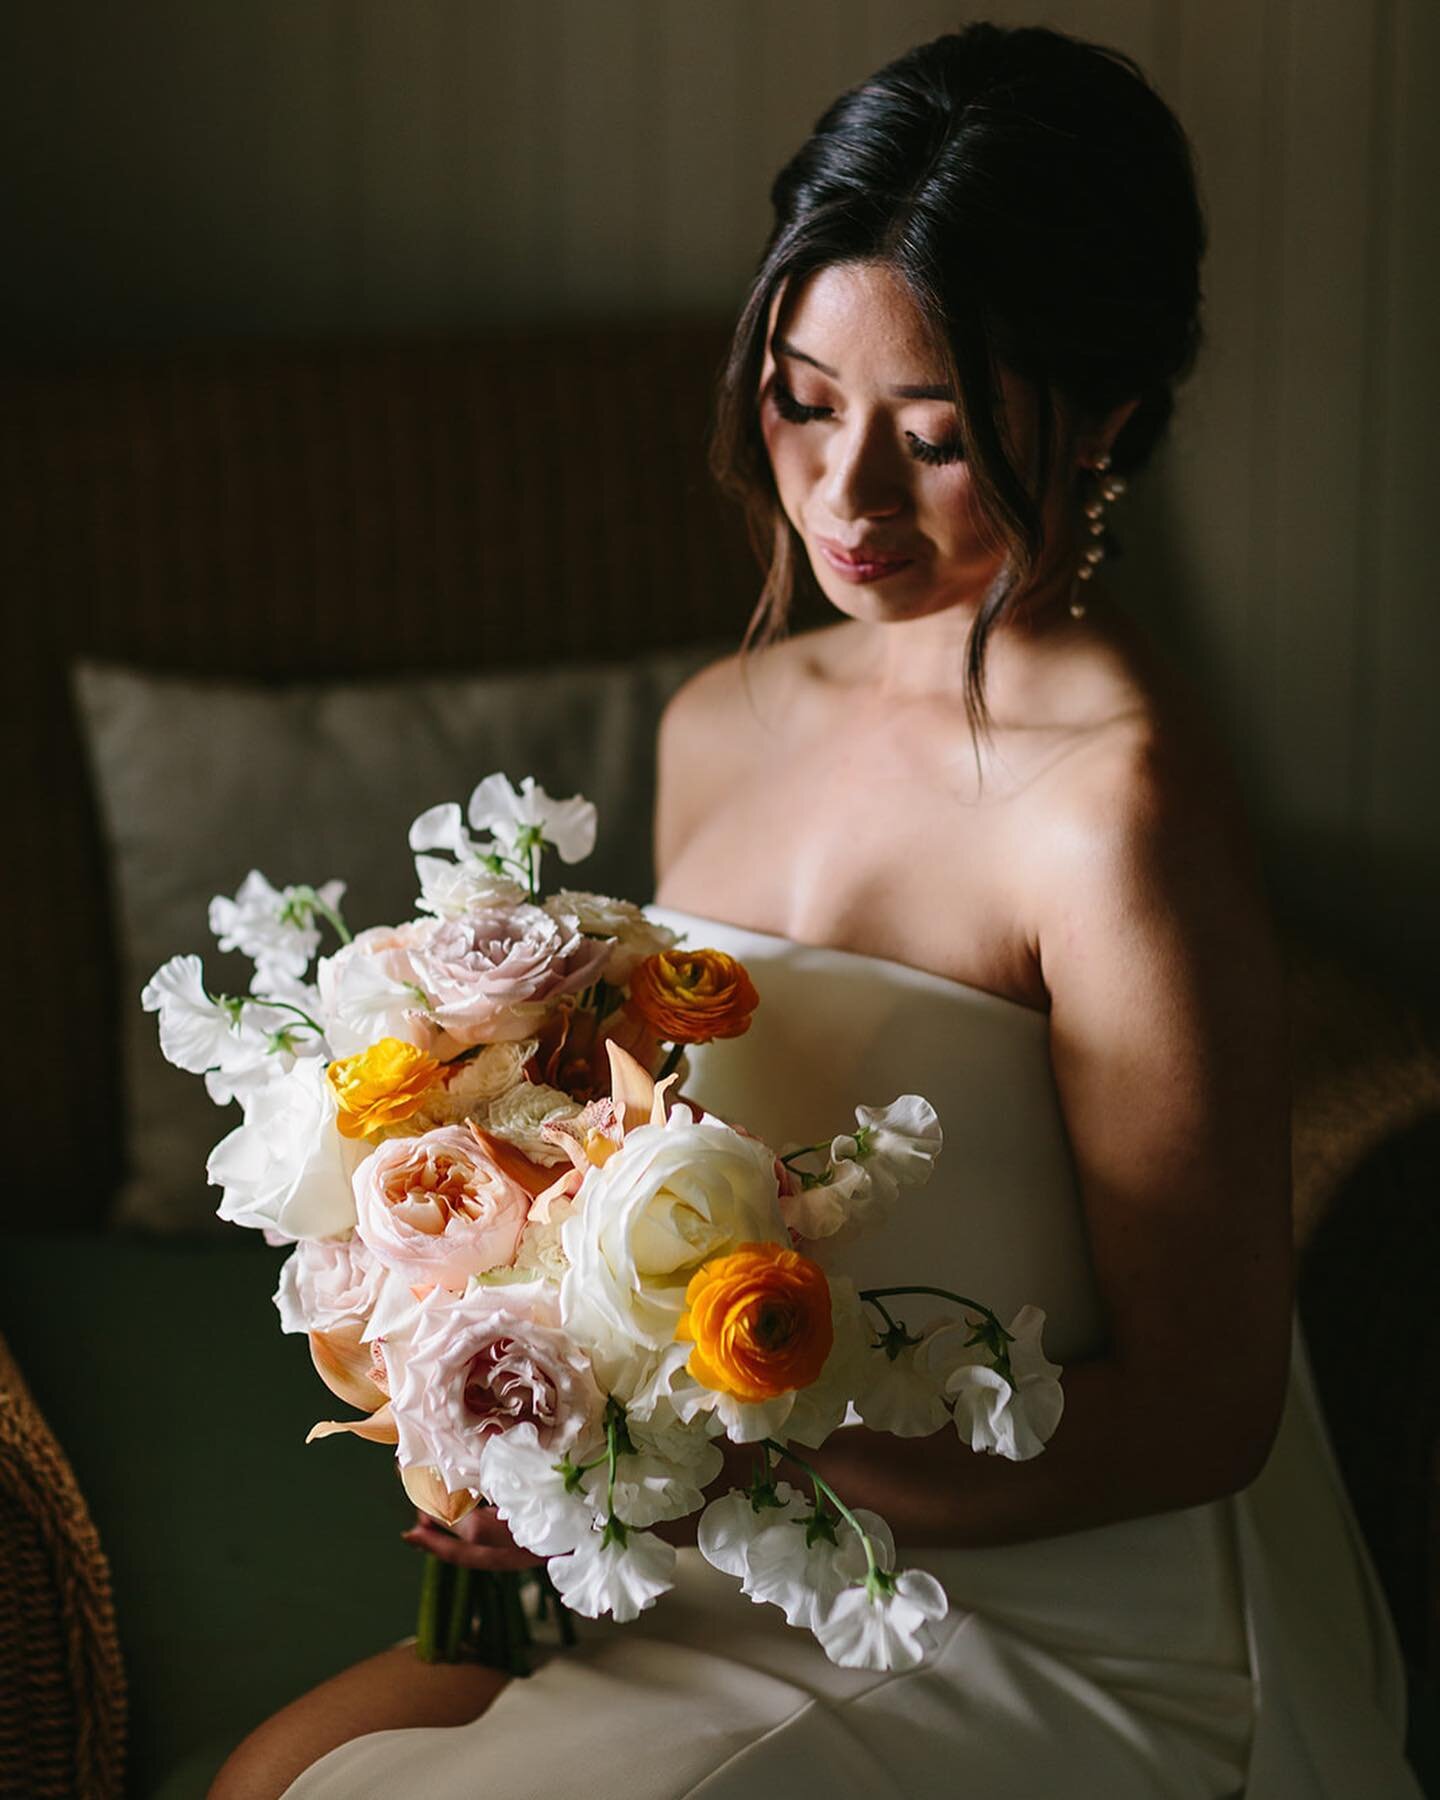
x=783, y=347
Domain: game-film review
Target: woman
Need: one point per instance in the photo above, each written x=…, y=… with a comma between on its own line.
x=972, y=840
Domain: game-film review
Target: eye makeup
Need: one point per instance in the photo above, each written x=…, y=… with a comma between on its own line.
x=794, y=413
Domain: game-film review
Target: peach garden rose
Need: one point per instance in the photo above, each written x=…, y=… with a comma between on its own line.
x=438, y=1208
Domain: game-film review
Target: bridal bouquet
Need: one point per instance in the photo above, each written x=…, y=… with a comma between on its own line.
x=550, y=1282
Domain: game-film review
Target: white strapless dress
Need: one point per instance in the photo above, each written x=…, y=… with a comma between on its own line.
x=1241, y=1647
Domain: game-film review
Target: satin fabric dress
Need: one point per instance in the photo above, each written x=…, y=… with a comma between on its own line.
x=1238, y=1647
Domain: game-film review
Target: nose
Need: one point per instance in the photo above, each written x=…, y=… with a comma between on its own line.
x=863, y=479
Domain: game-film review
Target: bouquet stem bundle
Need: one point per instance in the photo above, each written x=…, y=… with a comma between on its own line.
x=479, y=1615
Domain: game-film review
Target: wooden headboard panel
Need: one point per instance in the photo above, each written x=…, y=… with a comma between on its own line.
x=314, y=512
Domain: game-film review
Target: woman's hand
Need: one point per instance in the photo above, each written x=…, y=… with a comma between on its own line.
x=481, y=1540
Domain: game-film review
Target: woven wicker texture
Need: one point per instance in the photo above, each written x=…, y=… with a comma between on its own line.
x=321, y=513
x=62, y=1685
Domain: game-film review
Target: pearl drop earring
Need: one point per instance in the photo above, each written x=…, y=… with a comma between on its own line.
x=1107, y=489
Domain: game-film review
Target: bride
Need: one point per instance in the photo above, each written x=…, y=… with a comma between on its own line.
x=974, y=840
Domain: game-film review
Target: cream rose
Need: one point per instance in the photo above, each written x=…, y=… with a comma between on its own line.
x=671, y=1197
x=437, y=1208
x=600, y=916
x=369, y=989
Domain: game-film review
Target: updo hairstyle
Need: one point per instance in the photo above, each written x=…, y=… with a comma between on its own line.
x=1036, y=196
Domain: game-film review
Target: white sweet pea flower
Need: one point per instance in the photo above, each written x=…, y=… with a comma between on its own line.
x=448, y=888
x=621, y=1576
x=509, y=814
x=664, y=1477
x=804, y=1570
x=287, y=1167
x=883, y=1625
x=196, y=1032
x=730, y=1526
x=822, y=1208
x=1014, y=1419
x=901, y=1385
x=274, y=927
x=443, y=828
x=522, y=1482
x=892, y=1147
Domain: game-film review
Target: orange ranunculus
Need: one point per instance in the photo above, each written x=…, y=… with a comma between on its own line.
x=760, y=1322
x=691, y=996
x=381, y=1086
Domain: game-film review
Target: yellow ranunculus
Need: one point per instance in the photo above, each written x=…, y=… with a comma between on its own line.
x=381, y=1086
x=760, y=1322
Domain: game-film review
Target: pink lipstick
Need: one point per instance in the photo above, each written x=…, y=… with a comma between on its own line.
x=861, y=565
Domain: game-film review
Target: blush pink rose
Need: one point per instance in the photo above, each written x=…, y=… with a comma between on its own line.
x=495, y=973
x=369, y=989
x=491, y=1361
x=327, y=1284
x=436, y=1208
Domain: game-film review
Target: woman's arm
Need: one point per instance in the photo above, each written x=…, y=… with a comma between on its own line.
x=1169, y=1046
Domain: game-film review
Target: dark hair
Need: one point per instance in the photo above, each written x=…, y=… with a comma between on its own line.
x=1036, y=196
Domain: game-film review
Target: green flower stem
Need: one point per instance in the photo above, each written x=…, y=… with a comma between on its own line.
x=550, y=1596
x=612, y=1457
x=285, y=1006
x=517, y=1626
x=457, y=1625
x=884, y=1313
x=873, y=1296
x=331, y=915
x=435, y=1586
x=805, y=1150
x=873, y=1571
x=671, y=1062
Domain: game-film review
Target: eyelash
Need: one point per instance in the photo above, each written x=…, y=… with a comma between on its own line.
x=790, y=409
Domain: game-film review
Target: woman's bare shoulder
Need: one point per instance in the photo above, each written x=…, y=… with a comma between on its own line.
x=724, y=723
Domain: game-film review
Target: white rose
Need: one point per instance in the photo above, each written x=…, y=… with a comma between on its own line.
x=287, y=1166
x=601, y=916
x=669, y=1199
